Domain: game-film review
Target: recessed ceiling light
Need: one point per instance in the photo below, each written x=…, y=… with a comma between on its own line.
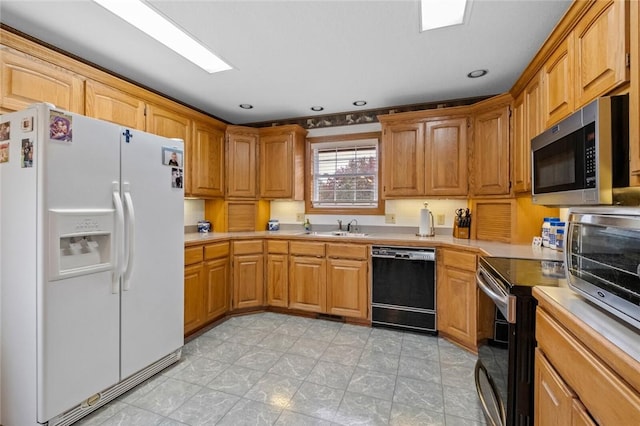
x=157, y=26
x=442, y=13
x=360, y=103
x=317, y=108
x=477, y=73
x=245, y=106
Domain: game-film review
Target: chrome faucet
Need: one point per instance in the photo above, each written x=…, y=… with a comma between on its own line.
x=339, y=225
x=355, y=228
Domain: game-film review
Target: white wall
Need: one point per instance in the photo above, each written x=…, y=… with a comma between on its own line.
x=193, y=211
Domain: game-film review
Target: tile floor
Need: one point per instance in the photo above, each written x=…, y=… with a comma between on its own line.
x=273, y=369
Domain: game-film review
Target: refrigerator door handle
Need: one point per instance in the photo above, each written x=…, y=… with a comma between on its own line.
x=129, y=252
x=118, y=238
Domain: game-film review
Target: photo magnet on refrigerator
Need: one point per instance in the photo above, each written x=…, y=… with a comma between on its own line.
x=60, y=127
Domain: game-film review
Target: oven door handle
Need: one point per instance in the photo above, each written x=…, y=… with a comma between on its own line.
x=487, y=285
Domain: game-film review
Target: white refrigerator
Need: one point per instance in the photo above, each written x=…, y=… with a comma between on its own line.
x=91, y=278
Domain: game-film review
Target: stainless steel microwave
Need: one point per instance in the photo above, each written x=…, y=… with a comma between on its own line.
x=602, y=258
x=579, y=160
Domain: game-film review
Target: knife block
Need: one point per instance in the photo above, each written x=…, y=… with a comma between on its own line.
x=460, y=232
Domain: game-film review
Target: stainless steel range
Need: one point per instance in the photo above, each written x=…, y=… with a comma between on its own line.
x=505, y=368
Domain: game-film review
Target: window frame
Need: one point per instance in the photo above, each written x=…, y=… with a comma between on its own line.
x=308, y=167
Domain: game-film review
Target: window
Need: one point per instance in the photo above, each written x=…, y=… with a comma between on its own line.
x=344, y=174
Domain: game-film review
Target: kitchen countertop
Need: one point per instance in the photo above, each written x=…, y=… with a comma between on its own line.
x=484, y=248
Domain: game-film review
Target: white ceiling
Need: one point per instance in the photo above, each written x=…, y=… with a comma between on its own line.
x=290, y=55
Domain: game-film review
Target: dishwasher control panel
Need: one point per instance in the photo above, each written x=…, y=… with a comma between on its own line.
x=404, y=253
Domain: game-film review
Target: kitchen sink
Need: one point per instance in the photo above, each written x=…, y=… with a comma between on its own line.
x=336, y=234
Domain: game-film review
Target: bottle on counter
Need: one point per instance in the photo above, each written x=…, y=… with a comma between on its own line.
x=307, y=225
x=559, y=243
x=553, y=232
x=546, y=227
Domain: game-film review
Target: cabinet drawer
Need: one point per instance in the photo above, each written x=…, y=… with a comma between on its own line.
x=307, y=249
x=347, y=251
x=460, y=260
x=247, y=247
x=281, y=247
x=610, y=400
x=192, y=255
x=213, y=251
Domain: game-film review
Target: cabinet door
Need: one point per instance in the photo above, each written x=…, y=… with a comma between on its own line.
x=278, y=280
x=600, y=50
x=520, y=151
x=242, y=165
x=193, y=297
x=403, y=160
x=446, y=157
x=109, y=104
x=276, y=171
x=491, y=153
x=216, y=292
x=307, y=283
x=634, y=97
x=558, y=83
x=167, y=123
x=552, y=397
x=527, y=125
x=28, y=80
x=457, y=305
x=248, y=281
x=347, y=287
x=206, y=161
x=579, y=415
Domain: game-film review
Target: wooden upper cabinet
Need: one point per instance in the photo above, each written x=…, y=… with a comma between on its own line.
x=206, y=161
x=634, y=96
x=109, y=104
x=601, y=47
x=242, y=145
x=519, y=151
x=403, y=159
x=558, y=83
x=282, y=162
x=167, y=123
x=491, y=152
x=26, y=81
x=527, y=124
x=446, y=157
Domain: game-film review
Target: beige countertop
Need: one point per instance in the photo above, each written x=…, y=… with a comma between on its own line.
x=484, y=248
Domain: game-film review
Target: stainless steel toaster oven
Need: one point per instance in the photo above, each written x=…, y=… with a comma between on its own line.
x=602, y=258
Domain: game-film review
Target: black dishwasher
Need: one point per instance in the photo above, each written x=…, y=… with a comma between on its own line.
x=404, y=288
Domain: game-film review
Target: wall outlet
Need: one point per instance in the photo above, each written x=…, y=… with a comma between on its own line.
x=299, y=217
x=440, y=219
x=390, y=218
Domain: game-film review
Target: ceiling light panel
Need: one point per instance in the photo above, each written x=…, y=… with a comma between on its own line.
x=442, y=13
x=155, y=25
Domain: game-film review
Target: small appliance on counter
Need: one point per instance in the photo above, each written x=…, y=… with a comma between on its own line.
x=602, y=257
x=204, y=226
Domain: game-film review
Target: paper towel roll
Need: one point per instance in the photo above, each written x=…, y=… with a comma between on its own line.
x=424, y=222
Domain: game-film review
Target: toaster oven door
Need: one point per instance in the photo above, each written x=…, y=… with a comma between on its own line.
x=603, y=259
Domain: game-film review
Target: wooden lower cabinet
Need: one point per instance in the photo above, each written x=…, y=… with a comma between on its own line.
x=217, y=288
x=248, y=274
x=193, y=297
x=329, y=278
x=206, y=284
x=465, y=314
x=347, y=287
x=580, y=379
x=277, y=273
x=307, y=283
